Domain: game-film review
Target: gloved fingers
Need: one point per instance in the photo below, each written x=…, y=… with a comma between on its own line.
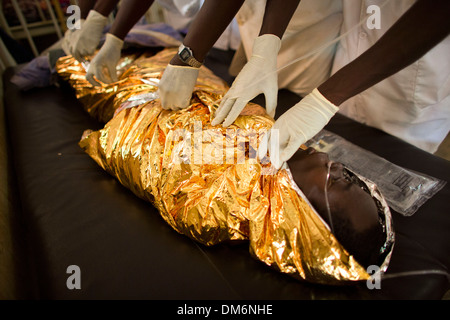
x=289, y=151
x=91, y=79
x=174, y=106
x=163, y=99
x=170, y=101
x=271, y=102
x=79, y=51
x=176, y=86
x=94, y=70
x=66, y=42
x=111, y=73
x=183, y=98
x=65, y=47
x=185, y=102
x=79, y=56
x=270, y=146
x=290, y=145
x=271, y=112
x=275, y=145
x=235, y=111
x=72, y=49
x=169, y=104
x=223, y=110
x=165, y=102
x=76, y=56
x=104, y=73
x=164, y=96
x=100, y=74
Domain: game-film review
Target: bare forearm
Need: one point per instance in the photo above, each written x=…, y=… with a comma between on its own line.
x=422, y=27
x=104, y=7
x=129, y=13
x=277, y=15
x=210, y=22
x=85, y=7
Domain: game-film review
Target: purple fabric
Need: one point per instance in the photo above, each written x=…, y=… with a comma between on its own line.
x=36, y=73
x=148, y=41
x=142, y=40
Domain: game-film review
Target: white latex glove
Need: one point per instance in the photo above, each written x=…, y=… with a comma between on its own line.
x=88, y=37
x=104, y=64
x=176, y=86
x=69, y=38
x=259, y=75
x=296, y=126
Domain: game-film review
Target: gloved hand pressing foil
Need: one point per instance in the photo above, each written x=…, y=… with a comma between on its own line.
x=296, y=126
x=69, y=38
x=84, y=41
x=103, y=66
x=259, y=75
x=176, y=86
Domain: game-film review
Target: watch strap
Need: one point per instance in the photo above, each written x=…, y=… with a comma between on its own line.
x=186, y=55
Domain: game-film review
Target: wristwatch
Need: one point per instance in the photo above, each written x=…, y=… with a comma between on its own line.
x=186, y=55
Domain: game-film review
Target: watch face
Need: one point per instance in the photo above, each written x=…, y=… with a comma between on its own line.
x=185, y=54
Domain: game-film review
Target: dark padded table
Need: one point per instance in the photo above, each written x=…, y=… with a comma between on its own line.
x=74, y=213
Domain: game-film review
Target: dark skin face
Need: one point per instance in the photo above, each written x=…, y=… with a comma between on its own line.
x=309, y=170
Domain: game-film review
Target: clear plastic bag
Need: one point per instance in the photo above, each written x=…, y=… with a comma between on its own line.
x=405, y=191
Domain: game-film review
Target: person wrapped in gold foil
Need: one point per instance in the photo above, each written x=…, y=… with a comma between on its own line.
x=139, y=73
x=207, y=183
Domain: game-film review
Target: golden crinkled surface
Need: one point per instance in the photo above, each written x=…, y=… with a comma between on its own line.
x=206, y=181
x=138, y=75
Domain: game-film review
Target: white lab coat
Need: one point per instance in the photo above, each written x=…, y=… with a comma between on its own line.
x=180, y=13
x=314, y=23
x=413, y=104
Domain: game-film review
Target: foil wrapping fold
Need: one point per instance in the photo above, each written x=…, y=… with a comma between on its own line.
x=137, y=74
x=224, y=197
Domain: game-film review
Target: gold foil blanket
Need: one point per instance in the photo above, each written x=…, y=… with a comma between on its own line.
x=138, y=74
x=205, y=181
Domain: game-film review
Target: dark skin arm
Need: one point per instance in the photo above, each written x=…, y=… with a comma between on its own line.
x=85, y=7
x=210, y=22
x=277, y=16
x=129, y=13
x=104, y=7
x=216, y=15
x=422, y=27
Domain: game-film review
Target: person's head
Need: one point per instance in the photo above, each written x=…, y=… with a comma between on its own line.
x=354, y=214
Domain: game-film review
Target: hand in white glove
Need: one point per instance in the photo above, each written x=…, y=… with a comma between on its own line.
x=69, y=38
x=296, y=126
x=176, y=86
x=85, y=40
x=104, y=64
x=259, y=75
